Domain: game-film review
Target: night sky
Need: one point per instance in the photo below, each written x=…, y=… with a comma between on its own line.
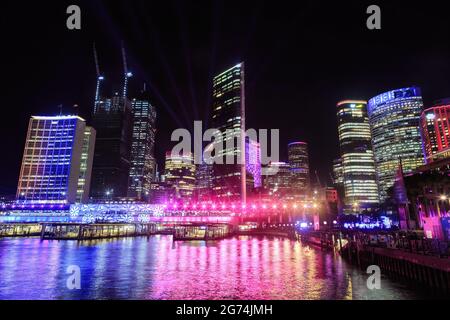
x=301, y=58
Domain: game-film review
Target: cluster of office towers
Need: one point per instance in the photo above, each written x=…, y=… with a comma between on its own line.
x=66, y=161
x=390, y=134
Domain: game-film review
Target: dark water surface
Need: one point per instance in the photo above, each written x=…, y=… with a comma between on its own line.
x=158, y=268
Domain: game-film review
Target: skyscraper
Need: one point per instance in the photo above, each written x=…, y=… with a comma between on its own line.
x=278, y=179
x=299, y=163
x=434, y=123
x=112, y=119
x=228, y=116
x=143, y=164
x=358, y=166
x=55, y=160
x=87, y=158
x=180, y=174
x=394, y=118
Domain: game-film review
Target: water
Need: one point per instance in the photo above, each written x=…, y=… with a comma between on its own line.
x=158, y=268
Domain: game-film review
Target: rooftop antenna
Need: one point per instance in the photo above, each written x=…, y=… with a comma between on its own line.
x=127, y=74
x=60, y=106
x=100, y=78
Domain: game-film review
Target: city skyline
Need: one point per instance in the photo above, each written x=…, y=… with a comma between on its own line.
x=225, y=150
x=167, y=68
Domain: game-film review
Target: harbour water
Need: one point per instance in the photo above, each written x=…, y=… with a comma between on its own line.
x=242, y=267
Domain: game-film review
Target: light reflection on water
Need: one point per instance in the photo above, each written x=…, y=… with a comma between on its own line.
x=158, y=268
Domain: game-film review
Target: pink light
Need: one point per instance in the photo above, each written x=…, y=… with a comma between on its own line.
x=295, y=206
x=244, y=206
x=284, y=206
x=233, y=206
x=264, y=206
x=214, y=206
x=274, y=206
x=203, y=206
x=223, y=206
x=253, y=206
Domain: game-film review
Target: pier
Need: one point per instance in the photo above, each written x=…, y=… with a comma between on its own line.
x=424, y=262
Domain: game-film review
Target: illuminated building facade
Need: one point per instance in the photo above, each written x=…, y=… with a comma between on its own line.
x=112, y=119
x=358, y=166
x=143, y=164
x=228, y=116
x=180, y=174
x=52, y=160
x=299, y=161
x=434, y=124
x=394, y=118
x=253, y=164
x=87, y=158
x=278, y=179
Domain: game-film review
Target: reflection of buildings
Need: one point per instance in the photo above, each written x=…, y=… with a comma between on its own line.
x=278, y=179
x=358, y=168
x=228, y=116
x=394, y=118
x=143, y=164
x=434, y=123
x=299, y=162
x=180, y=174
x=57, y=159
x=112, y=118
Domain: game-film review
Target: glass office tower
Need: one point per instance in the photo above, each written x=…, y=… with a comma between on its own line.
x=394, y=118
x=228, y=116
x=143, y=164
x=52, y=160
x=358, y=166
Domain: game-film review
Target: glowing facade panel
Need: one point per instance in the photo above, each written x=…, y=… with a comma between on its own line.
x=394, y=119
x=434, y=123
x=358, y=166
x=51, y=161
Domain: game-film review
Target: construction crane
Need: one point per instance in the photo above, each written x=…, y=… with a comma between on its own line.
x=127, y=74
x=100, y=78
